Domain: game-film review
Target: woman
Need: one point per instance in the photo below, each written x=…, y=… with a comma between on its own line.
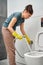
x=9, y=31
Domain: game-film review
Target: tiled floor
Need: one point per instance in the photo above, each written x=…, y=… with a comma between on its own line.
x=5, y=62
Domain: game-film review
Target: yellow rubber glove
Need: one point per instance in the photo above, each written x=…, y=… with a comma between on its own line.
x=28, y=39
x=16, y=35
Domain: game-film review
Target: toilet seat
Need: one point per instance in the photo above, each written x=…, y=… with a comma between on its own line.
x=34, y=54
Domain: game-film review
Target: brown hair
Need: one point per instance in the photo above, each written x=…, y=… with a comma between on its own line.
x=29, y=9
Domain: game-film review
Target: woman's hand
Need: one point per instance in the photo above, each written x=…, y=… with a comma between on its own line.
x=16, y=35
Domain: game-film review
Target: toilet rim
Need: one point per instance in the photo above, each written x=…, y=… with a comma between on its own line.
x=36, y=54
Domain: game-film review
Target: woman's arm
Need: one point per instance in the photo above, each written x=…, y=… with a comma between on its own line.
x=22, y=29
x=13, y=32
x=11, y=24
x=24, y=33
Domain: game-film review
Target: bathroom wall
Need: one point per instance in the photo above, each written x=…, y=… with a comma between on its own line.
x=32, y=25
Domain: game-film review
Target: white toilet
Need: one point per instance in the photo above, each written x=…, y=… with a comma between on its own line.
x=36, y=57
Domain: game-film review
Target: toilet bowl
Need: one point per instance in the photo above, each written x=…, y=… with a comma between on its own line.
x=36, y=57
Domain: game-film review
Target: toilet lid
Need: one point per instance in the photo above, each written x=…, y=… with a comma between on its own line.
x=39, y=43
